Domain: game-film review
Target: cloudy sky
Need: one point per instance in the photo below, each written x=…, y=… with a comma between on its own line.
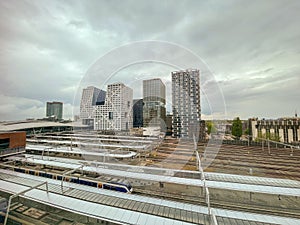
x=252, y=49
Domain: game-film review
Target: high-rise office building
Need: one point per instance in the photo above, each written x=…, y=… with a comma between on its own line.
x=154, y=99
x=186, y=103
x=91, y=96
x=137, y=112
x=54, y=109
x=116, y=113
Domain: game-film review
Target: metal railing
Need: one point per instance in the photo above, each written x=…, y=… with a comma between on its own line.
x=20, y=193
x=213, y=217
x=210, y=211
x=49, y=148
x=68, y=172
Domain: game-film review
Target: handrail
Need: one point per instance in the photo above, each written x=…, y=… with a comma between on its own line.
x=210, y=211
x=66, y=173
x=213, y=217
x=20, y=193
x=207, y=200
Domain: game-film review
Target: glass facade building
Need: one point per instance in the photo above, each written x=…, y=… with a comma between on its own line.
x=54, y=109
x=154, y=100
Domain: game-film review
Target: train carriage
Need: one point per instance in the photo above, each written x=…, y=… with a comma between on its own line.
x=116, y=185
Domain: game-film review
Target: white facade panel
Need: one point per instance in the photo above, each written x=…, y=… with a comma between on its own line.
x=90, y=96
x=116, y=113
x=254, y=129
x=281, y=135
x=290, y=135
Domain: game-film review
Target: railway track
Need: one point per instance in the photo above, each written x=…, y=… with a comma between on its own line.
x=219, y=204
x=234, y=159
x=236, y=167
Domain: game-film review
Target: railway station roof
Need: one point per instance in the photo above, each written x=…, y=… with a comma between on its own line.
x=120, y=139
x=75, y=150
x=34, y=124
x=85, y=134
x=72, y=164
x=243, y=179
x=141, y=147
x=124, y=208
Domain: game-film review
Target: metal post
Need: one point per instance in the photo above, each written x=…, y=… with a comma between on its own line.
x=207, y=200
x=43, y=153
x=195, y=143
x=269, y=147
x=213, y=216
x=197, y=161
x=248, y=140
x=71, y=143
x=66, y=173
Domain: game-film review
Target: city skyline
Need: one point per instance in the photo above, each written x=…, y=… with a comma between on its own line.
x=252, y=49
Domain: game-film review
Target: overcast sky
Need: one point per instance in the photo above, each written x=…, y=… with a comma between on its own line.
x=251, y=47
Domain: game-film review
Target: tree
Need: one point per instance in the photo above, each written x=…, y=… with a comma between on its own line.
x=237, y=128
x=211, y=128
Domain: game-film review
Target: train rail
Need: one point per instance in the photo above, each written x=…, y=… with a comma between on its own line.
x=220, y=204
x=280, y=163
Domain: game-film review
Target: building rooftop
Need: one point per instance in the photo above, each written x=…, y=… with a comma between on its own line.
x=30, y=124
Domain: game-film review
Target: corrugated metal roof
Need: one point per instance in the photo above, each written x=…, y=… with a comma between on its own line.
x=22, y=125
x=62, y=149
x=122, y=139
x=268, y=189
x=139, y=147
x=129, y=208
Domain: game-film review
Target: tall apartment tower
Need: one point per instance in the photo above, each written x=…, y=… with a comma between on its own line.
x=186, y=103
x=91, y=96
x=154, y=99
x=54, y=109
x=116, y=113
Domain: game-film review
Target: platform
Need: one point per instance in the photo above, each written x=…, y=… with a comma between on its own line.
x=125, y=208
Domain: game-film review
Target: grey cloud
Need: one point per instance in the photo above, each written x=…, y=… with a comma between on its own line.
x=252, y=47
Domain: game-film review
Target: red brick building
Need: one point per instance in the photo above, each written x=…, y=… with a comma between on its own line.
x=12, y=142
